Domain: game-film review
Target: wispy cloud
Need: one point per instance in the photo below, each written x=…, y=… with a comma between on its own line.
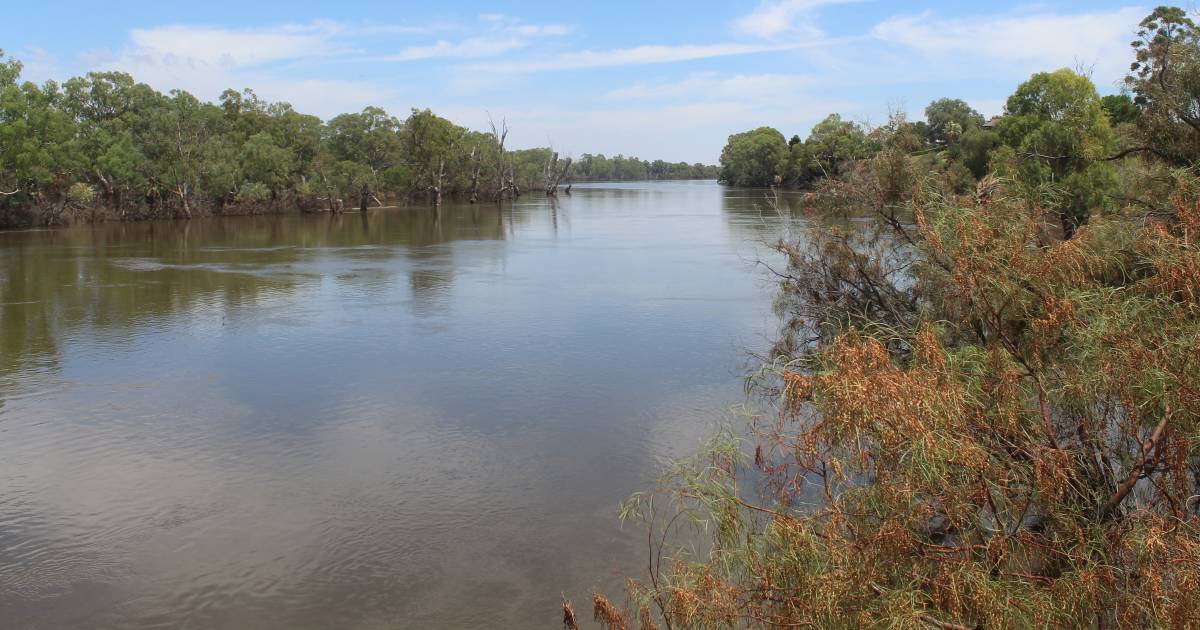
x=411, y=29
x=500, y=34
x=709, y=85
x=1033, y=41
x=642, y=55
x=775, y=18
x=205, y=60
x=516, y=26
x=467, y=48
x=233, y=47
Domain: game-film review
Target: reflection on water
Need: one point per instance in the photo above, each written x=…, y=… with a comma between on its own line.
x=397, y=419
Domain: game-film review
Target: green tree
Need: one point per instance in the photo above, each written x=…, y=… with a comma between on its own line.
x=949, y=119
x=370, y=139
x=1120, y=108
x=264, y=162
x=754, y=158
x=430, y=145
x=112, y=113
x=36, y=157
x=1060, y=132
x=974, y=151
x=834, y=142
x=1165, y=82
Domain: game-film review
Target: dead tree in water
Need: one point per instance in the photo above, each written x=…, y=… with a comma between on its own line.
x=476, y=161
x=505, y=180
x=553, y=173
x=436, y=187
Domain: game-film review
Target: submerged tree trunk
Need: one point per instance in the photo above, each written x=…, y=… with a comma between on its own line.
x=553, y=173
x=476, y=159
x=504, y=176
x=183, y=197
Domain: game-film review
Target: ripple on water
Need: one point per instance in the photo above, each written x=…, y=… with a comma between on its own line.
x=401, y=421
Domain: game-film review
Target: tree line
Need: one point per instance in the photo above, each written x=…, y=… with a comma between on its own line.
x=983, y=410
x=104, y=146
x=598, y=168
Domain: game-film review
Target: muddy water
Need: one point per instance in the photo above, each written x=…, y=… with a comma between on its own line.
x=398, y=419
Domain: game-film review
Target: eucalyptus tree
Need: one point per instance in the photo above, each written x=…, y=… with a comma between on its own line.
x=36, y=160
x=834, y=142
x=364, y=145
x=949, y=119
x=111, y=112
x=754, y=158
x=1057, y=127
x=1165, y=82
x=429, y=144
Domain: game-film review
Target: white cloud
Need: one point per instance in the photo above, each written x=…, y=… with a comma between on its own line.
x=503, y=34
x=467, y=48
x=1034, y=42
x=641, y=55
x=708, y=85
x=205, y=61
x=232, y=48
x=516, y=26
x=774, y=18
x=410, y=29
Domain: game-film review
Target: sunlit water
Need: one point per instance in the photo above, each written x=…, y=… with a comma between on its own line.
x=387, y=420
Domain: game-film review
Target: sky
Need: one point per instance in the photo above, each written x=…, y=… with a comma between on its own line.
x=650, y=78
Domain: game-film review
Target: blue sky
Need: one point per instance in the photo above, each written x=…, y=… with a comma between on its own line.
x=654, y=79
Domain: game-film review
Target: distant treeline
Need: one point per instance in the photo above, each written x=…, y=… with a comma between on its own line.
x=103, y=147
x=598, y=168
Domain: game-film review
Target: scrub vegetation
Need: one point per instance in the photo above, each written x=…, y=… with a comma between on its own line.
x=985, y=404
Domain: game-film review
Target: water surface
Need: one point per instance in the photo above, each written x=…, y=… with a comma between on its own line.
x=397, y=419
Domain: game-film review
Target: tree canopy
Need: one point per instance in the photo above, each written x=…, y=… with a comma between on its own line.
x=754, y=158
x=105, y=146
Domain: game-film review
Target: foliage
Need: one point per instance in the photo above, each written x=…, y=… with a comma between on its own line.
x=148, y=154
x=834, y=142
x=754, y=158
x=1057, y=125
x=1120, y=108
x=1008, y=436
x=949, y=119
x=597, y=167
x=1165, y=82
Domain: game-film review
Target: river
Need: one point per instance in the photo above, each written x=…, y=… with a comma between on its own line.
x=396, y=419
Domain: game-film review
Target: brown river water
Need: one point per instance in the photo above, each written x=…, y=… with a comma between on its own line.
x=391, y=420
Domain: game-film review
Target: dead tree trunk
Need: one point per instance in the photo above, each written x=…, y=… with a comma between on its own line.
x=505, y=178
x=436, y=188
x=553, y=173
x=182, y=191
x=476, y=160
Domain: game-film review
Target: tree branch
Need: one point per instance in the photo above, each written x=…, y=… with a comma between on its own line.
x=1148, y=447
